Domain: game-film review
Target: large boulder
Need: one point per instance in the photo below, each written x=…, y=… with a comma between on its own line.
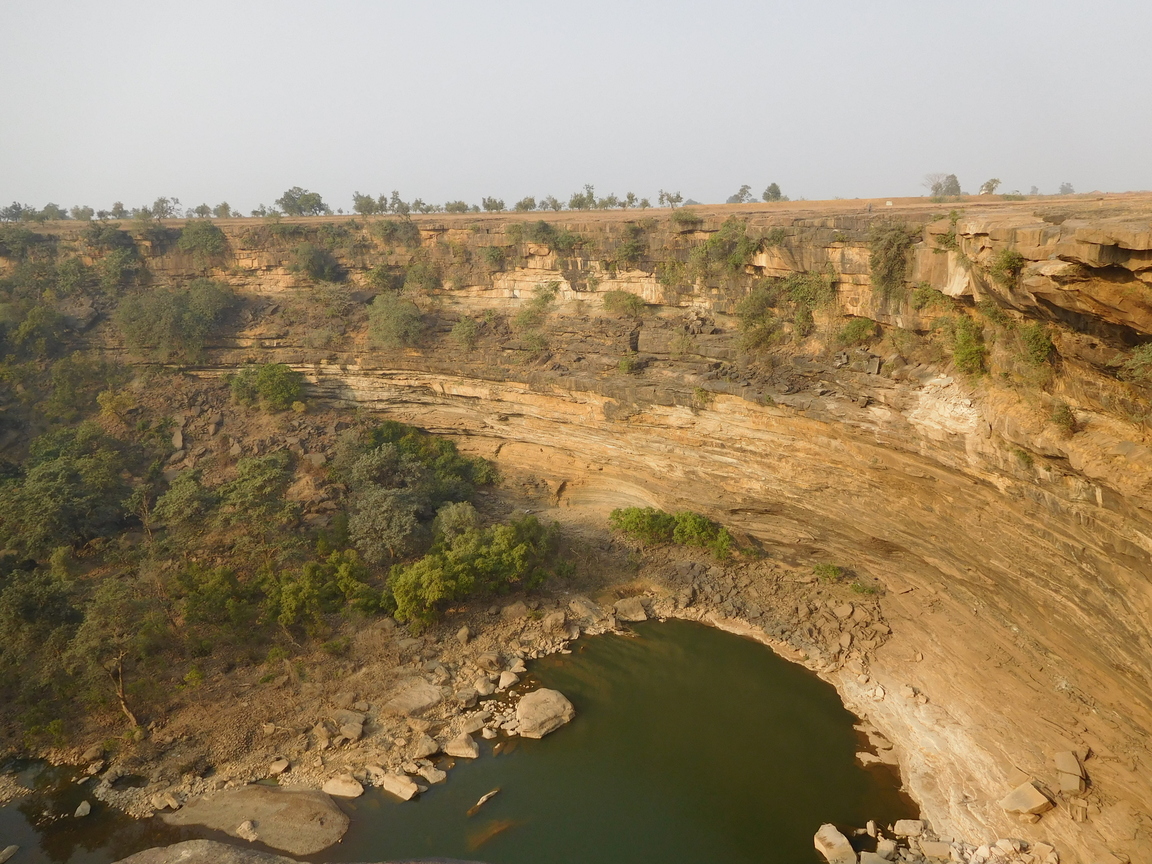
x=543, y=711
x=400, y=785
x=1026, y=798
x=631, y=609
x=343, y=786
x=462, y=747
x=300, y=822
x=414, y=697
x=211, y=852
x=834, y=846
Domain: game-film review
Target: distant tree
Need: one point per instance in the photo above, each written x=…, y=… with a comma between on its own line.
x=223, y=211
x=644, y=204
x=772, y=193
x=382, y=524
x=609, y=203
x=202, y=239
x=669, y=199
x=118, y=211
x=942, y=185
x=492, y=205
x=398, y=206
x=988, y=187
x=456, y=207
x=301, y=202
x=365, y=205
x=585, y=200
x=551, y=202
x=202, y=211
x=1035, y=190
x=164, y=208
x=52, y=213
x=526, y=204
x=394, y=322
x=1066, y=189
x=744, y=195
x=628, y=201
x=82, y=213
x=14, y=212
x=174, y=323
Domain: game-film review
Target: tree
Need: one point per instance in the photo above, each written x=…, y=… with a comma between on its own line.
x=492, y=205
x=14, y=212
x=82, y=213
x=398, y=206
x=300, y=202
x=118, y=211
x=585, y=200
x=1066, y=189
x=551, y=202
x=222, y=210
x=772, y=193
x=382, y=523
x=201, y=211
x=275, y=385
x=942, y=185
x=162, y=208
x=203, y=240
x=174, y=323
x=525, y=205
x=744, y=195
x=988, y=187
x=52, y=213
x=629, y=201
x=456, y=207
x=366, y=205
x=669, y=199
x=394, y=322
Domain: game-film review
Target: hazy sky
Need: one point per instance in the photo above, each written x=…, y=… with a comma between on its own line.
x=212, y=101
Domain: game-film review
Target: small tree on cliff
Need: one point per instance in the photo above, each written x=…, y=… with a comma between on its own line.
x=300, y=202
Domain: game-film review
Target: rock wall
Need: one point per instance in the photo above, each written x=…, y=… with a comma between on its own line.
x=1016, y=556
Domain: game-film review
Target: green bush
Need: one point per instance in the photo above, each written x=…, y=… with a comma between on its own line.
x=174, y=323
x=685, y=527
x=888, y=257
x=686, y=218
x=531, y=315
x=1006, y=267
x=725, y=253
x=494, y=256
x=1137, y=366
x=477, y=561
x=759, y=327
x=317, y=263
x=394, y=322
x=629, y=365
x=858, y=331
x=202, y=239
x=466, y=332
x=422, y=276
x=927, y=297
x=1038, y=344
x=399, y=232
x=274, y=385
x=623, y=303
x=632, y=249
x=828, y=572
x=1063, y=417
x=968, y=349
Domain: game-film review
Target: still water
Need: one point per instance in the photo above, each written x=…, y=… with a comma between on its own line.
x=690, y=746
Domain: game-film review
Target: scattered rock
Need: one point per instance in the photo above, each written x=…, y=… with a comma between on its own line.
x=834, y=846
x=631, y=609
x=584, y=609
x=507, y=679
x=343, y=786
x=488, y=734
x=246, y=831
x=425, y=746
x=1068, y=763
x=844, y=610
x=399, y=785
x=489, y=661
x=83, y=810
x=886, y=848
x=514, y=611
x=1026, y=798
x=1071, y=783
x=483, y=687
x=463, y=635
x=543, y=711
x=908, y=827
x=96, y=751
x=462, y=747
x=936, y=849
x=414, y=697
x=872, y=858
x=278, y=767
x=7, y=852
x=433, y=774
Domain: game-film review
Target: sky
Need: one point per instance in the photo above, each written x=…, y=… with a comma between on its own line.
x=236, y=101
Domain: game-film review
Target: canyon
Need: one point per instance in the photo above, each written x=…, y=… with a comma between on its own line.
x=1011, y=553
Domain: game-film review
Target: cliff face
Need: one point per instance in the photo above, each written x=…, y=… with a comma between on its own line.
x=1016, y=552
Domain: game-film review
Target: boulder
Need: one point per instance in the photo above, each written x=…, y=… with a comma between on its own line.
x=294, y=821
x=553, y=623
x=834, y=846
x=1071, y=783
x=483, y=687
x=908, y=827
x=343, y=786
x=872, y=858
x=204, y=852
x=413, y=697
x=463, y=635
x=543, y=711
x=508, y=679
x=83, y=810
x=278, y=767
x=7, y=852
x=462, y=747
x=514, y=611
x=489, y=661
x=631, y=609
x=886, y=848
x=433, y=774
x=584, y=609
x=399, y=785
x=1026, y=798
x=247, y=831
x=1068, y=763
x=425, y=746
x=936, y=849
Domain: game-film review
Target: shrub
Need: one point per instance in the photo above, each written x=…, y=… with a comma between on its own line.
x=531, y=314
x=686, y=218
x=692, y=529
x=202, y=239
x=888, y=248
x=650, y=525
x=422, y=276
x=968, y=349
x=858, y=331
x=629, y=365
x=1137, y=366
x=631, y=250
x=1038, y=345
x=726, y=252
x=494, y=256
x=759, y=327
x=394, y=322
x=317, y=263
x=1007, y=266
x=476, y=561
x=927, y=297
x=466, y=332
x=382, y=277
x=1063, y=417
x=275, y=386
x=828, y=572
x=623, y=303
x=173, y=323
x=399, y=231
